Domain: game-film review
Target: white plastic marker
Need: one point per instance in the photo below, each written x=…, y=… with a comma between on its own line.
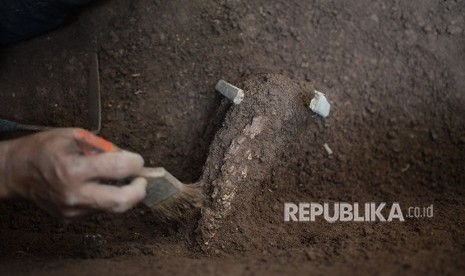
x=320, y=104
x=236, y=95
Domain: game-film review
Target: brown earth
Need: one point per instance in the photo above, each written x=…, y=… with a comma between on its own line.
x=394, y=72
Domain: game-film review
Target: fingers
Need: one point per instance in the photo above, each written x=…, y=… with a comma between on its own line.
x=50, y=169
x=110, y=198
x=115, y=165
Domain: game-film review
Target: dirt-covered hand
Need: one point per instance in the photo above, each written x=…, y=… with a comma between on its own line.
x=49, y=169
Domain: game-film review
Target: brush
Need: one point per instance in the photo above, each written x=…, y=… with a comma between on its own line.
x=168, y=197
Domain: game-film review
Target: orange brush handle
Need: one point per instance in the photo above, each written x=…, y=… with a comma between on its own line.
x=91, y=144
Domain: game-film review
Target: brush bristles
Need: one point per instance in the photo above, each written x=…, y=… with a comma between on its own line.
x=190, y=197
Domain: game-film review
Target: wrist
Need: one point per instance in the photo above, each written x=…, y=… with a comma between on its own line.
x=4, y=156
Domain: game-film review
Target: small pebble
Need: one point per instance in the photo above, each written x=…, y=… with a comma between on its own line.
x=328, y=149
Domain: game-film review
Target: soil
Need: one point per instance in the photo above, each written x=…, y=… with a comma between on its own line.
x=393, y=71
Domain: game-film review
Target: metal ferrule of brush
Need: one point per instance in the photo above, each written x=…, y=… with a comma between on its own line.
x=161, y=185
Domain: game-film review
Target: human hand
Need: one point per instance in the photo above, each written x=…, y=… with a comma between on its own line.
x=49, y=169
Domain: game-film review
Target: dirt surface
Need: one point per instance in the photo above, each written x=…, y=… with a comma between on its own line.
x=394, y=72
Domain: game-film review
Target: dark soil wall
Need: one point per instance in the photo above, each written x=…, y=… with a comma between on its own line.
x=394, y=72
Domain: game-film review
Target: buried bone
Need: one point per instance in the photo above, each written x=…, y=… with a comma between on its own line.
x=264, y=126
